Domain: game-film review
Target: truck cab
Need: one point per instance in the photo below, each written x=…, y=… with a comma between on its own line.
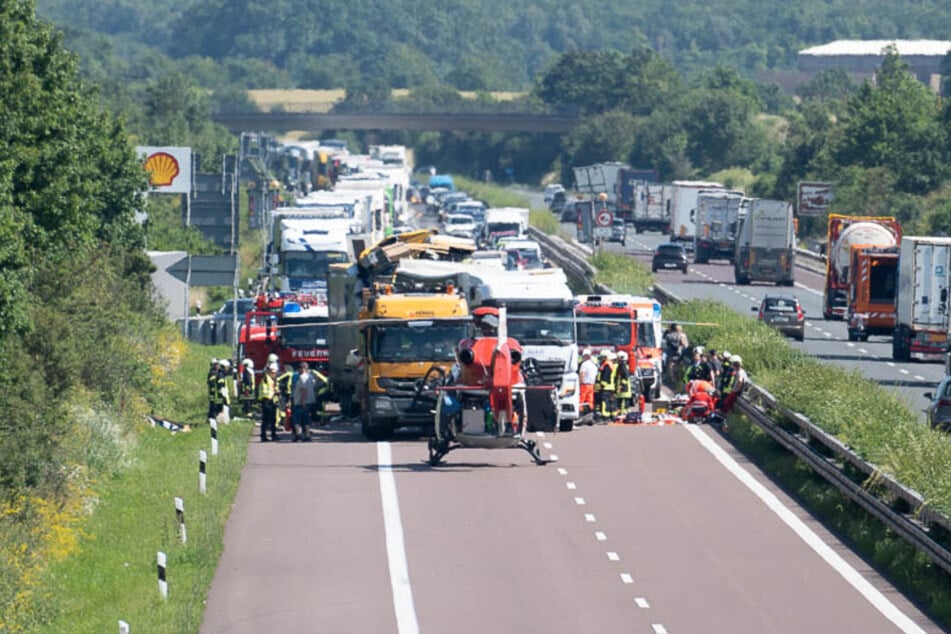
x=292, y=325
x=873, y=285
x=384, y=339
x=629, y=323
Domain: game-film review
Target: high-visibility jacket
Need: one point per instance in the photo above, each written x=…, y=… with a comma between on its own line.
x=213, y=394
x=726, y=379
x=606, y=377
x=221, y=383
x=267, y=388
x=320, y=382
x=623, y=380
x=247, y=384
x=285, y=383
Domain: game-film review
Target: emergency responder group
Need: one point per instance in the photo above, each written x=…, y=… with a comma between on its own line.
x=607, y=389
x=292, y=399
x=609, y=392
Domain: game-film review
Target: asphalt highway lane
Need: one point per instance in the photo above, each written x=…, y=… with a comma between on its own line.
x=634, y=529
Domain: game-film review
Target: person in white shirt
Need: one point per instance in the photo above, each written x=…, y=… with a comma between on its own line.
x=587, y=375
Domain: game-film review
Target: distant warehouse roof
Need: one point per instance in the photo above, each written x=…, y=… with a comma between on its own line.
x=906, y=48
x=861, y=58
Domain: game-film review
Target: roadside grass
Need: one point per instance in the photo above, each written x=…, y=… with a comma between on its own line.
x=498, y=196
x=872, y=421
x=622, y=273
x=493, y=195
x=113, y=576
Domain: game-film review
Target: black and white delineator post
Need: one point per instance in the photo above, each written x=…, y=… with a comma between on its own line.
x=124, y=627
x=162, y=580
x=180, y=515
x=214, y=438
x=202, y=462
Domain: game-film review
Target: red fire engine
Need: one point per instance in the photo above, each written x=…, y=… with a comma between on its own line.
x=629, y=323
x=291, y=325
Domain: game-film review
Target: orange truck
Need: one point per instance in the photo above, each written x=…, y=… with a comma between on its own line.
x=845, y=231
x=873, y=285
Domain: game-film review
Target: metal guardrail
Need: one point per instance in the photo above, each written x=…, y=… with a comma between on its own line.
x=810, y=260
x=910, y=526
x=832, y=464
x=569, y=256
x=835, y=458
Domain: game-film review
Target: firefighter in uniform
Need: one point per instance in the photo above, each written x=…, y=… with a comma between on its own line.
x=623, y=384
x=607, y=378
x=213, y=394
x=284, y=384
x=322, y=387
x=246, y=390
x=224, y=386
x=269, y=397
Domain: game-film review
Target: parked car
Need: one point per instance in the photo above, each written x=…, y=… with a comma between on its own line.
x=226, y=311
x=670, y=255
x=783, y=312
x=551, y=190
x=939, y=409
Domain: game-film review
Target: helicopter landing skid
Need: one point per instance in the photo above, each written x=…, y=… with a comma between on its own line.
x=438, y=449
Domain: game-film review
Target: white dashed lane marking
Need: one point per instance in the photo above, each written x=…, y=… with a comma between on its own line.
x=588, y=517
x=903, y=370
x=626, y=578
x=658, y=628
x=612, y=556
x=642, y=603
x=863, y=350
x=918, y=377
x=562, y=471
x=579, y=501
x=571, y=485
x=600, y=536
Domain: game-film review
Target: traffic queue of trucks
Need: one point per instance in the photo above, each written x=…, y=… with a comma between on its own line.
x=382, y=315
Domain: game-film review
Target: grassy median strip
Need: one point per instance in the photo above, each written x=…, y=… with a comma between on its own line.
x=114, y=575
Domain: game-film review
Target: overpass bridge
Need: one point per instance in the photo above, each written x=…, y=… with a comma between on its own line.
x=279, y=122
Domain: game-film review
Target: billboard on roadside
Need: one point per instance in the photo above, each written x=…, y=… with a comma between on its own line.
x=814, y=198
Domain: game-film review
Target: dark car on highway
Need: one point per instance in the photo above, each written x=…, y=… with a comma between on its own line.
x=783, y=312
x=670, y=255
x=939, y=409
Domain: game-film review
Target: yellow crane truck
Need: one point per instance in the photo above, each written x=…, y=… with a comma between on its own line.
x=384, y=342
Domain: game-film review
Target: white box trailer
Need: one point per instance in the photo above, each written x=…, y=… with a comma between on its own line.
x=683, y=208
x=600, y=178
x=921, y=325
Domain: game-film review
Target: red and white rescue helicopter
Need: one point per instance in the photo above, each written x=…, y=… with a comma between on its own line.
x=483, y=405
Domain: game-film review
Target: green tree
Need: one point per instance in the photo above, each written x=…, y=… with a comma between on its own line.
x=897, y=124
x=605, y=137
x=594, y=81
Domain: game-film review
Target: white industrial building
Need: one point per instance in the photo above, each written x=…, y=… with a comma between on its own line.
x=861, y=58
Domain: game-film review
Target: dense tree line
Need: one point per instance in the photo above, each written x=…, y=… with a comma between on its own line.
x=81, y=340
x=477, y=44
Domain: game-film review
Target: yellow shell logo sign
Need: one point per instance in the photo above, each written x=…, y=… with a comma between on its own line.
x=163, y=167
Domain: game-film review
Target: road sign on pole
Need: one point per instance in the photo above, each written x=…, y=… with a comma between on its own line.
x=205, y=270
x=604, y=218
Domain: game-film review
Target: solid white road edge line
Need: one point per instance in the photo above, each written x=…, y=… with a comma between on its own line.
x=395, y=548
x=850, y=574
